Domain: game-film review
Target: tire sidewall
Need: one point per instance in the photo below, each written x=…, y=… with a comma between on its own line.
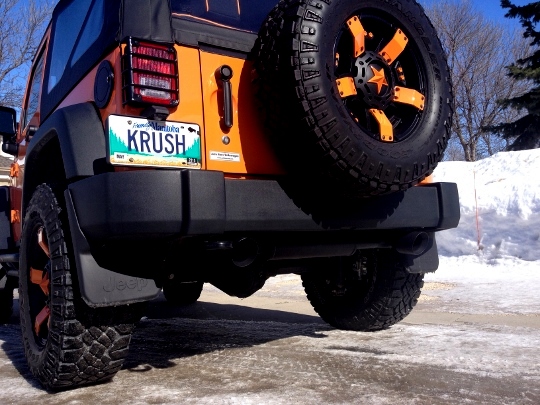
x=35, y=217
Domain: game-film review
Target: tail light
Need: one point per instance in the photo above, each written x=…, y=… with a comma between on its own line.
x=150, y=74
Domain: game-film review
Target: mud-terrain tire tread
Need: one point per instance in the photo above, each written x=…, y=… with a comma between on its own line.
x=382, y=298
x=180, y=294
x=84, y=345
x=297, y=114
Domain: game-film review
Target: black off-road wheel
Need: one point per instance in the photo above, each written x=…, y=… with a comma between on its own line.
x=369, y=292
x=182, y=293
x=357, y=95
x=66, y=342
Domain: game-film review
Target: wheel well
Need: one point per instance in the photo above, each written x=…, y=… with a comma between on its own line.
x=48, y=168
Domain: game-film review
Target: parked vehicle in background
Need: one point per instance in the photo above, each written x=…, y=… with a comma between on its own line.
x=164, y=145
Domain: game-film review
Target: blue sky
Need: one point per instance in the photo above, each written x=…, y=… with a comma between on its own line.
x=491, y=9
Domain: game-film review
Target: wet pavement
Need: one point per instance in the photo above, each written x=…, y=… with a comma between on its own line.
x=272, y=348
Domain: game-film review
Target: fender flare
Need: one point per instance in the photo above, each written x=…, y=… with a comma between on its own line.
x=81, y=138
x=80, y=134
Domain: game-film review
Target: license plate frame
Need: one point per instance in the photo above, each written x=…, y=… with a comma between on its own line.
x=134, y=141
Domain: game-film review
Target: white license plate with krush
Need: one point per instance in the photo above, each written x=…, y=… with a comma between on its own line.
x=143, y=142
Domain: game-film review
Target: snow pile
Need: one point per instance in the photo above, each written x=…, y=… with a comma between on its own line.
x=500, y=207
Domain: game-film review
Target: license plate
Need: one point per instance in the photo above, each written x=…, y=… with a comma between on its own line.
x=143, y=142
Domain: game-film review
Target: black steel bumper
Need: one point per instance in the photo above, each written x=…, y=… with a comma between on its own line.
x=188, y=202
x=162, y=203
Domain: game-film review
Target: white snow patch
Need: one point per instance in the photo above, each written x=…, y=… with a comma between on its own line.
x=498, y=286
x=500, y=207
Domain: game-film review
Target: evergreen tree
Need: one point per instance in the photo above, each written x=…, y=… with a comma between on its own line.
x=525, y=131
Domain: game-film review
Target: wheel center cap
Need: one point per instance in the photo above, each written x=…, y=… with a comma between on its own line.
x=379, y=79
x=374, y=80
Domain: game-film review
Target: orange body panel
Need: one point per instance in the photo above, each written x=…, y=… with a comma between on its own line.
x=17, y=177
x=201, y=103
x=15, y=195
x=189, y=110
x=246, y=139
x=427, y=180
x=241, y=151
x=198, y=82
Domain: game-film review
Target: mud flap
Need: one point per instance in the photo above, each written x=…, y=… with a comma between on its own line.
x=6, y=238
x=102, y=287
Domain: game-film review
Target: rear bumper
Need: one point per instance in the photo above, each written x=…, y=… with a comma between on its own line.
x=155, y=204
x=161, y=204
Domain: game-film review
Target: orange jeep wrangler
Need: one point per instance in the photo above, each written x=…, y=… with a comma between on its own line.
x=166, y=144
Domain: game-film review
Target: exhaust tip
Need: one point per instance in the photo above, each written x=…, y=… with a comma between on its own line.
x=414, y=243
x=244, y=252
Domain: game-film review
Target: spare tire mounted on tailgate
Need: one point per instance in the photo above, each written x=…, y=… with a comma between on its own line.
x=357, y=94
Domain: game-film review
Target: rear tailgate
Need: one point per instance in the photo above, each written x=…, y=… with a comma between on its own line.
x=224, y=32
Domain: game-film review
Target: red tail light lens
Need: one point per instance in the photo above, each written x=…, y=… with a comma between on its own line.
x=150, y=73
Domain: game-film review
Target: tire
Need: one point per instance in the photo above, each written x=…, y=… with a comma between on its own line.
x=72, y=344
x=178, y=293
x=367, y=293
x=323, y=131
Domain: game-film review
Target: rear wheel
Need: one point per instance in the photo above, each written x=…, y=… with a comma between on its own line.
x=182, y=293
x=368, y=292
x=66, y=343
x=358, y=94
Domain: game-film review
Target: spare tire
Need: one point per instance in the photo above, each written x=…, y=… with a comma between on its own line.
x=357, y=95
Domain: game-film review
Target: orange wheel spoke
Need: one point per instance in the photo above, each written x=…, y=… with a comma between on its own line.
x=346, y=87
x=40, y=278
x=42, y=242
x=412, y=97
x=41, y=319
x=359, y=34
x=36, y=275
x=394, y=48
x=385, y=126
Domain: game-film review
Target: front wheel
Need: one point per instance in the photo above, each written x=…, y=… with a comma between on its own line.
x=368, y=292
x=66, y=342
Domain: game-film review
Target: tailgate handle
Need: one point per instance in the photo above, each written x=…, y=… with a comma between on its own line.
x=225, y=74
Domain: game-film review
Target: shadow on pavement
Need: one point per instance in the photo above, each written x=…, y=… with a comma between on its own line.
x=160, y=308
x=12, y=346
x=168, y=333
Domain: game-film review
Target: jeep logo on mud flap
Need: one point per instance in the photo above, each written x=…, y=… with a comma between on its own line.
x=120, y=284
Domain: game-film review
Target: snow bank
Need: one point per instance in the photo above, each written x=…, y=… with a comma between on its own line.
x=503, y=192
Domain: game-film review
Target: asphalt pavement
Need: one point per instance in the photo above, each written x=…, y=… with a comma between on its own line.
x=272, y=348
